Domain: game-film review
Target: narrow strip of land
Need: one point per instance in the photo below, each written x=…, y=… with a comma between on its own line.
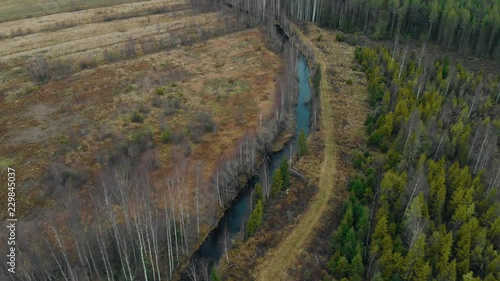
x=275, y=264
x=343, y=104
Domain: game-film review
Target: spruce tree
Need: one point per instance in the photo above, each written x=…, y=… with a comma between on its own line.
x=285, y=173
x=258, y=192
x=255, y=219
x=302, y=143
x=277, y=183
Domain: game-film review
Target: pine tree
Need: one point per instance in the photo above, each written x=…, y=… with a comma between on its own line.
x=258, y=192
x=302, y=144
x=213, y=275
x=357, y=269
x=277, y=183
x=285, y=173
x=437, y=178
x=255, y=219
x=349, y=243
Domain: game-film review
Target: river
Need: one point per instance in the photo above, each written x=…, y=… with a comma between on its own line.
x=236, y=216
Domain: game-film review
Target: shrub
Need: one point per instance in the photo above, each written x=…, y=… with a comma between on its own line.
x=349, y=82
x=61, y=69
x=37, y=69
x=195, y=134
x=165, y=136
x=177, y=136
x=302, y=143
x=205, y=121
x=129, y=88
x=87, y=62
x=149, y=46
x=172, y=106
x=156, y=102
x=340, y=37
x=136, y=117
x=129, y=48
x=160, y=91
x=110, y=56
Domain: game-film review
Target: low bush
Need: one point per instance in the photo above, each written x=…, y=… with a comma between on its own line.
x=136, y=117
x=87, y=62
x=37, y=69
x=61, y=69
x=160, y=91
x=110, y=56
x=165, y=136
x=340, y=37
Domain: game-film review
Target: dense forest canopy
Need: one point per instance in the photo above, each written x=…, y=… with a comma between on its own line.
x=425, y=203
x=468, y=26
x=464, y=25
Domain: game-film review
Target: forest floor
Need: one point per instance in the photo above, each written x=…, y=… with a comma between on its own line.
x=343, y=111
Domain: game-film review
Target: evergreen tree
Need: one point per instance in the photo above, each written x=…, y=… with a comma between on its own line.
x=277, y=183
x=285, y=173
x=255, y=219
x=258, y=192
x=357, y=269
x=302, y=143
x=214, y=276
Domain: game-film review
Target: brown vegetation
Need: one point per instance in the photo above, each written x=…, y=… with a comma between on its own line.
x=97, y=127
x=350, y=109
x=281, y=215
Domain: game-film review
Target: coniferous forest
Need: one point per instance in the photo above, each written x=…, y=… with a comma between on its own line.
x=469, y=26
x=424, y=205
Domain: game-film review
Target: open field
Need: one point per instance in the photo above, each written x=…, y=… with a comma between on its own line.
x=73, y=122
x=11, y=10
x=52, y=23
x=89, y=40
x=343, y=111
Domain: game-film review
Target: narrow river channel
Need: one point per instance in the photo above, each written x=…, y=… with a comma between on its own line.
x=235, y=218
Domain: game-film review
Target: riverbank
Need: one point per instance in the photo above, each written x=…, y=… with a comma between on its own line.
x=233, y=220
x=281, y=215
x=346, y=92
x=342, y=115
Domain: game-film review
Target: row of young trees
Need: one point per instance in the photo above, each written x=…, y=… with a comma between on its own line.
x=465, y=25
x=426, y=205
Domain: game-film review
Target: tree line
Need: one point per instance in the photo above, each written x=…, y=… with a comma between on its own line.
x=469, y=26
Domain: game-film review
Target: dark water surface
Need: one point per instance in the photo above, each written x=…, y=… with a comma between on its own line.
x=235, y=218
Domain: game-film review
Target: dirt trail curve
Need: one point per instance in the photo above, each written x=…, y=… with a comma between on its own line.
x=275, y=264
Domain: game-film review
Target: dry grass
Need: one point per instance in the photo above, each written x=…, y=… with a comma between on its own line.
x=281, y=215
x=90, y=39
x=343, y=110
x=11, y=10
x=87, y=16
x=60, y=121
